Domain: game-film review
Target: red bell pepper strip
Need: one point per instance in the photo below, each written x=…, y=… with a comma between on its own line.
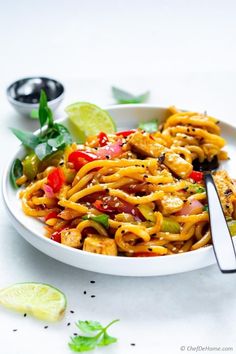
x=196, y=176
x=56, y=236
x=103, y=139
x=126, y=133
x=51, y=215
x=80, y=158
x=56, y=179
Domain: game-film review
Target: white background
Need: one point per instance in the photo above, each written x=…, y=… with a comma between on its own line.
x=185, y=53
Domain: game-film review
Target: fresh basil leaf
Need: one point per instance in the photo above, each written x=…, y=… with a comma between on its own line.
x=106, y=340
x=42, y=150
x=34, y=114
x=43, y=109
x=83, y=344
x=125, y=97
x=50, y=118
x=28, y=139
x=101, y=219
x=56, y=142
x=150, y=126
x=16, y=172
x=62, y=130
x=89, y=326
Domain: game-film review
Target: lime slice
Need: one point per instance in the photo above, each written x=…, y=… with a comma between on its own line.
x=85, y=119
x=39, y=300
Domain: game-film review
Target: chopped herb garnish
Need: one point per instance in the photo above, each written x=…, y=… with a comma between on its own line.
x=101, y=219
x=150, y=126
x=82, y=343
x=124, y=97
x=16, y=172
x=205, y=208
x=54, y=138
x=195, y=188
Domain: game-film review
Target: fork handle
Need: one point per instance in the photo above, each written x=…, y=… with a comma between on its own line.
x=221, y=238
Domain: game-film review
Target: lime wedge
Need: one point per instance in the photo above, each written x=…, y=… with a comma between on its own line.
x=39, y=300
x=85, y=119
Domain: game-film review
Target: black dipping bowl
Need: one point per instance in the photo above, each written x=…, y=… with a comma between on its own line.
x=24, y=94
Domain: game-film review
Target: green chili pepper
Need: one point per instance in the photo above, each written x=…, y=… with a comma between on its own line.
x=31, y=166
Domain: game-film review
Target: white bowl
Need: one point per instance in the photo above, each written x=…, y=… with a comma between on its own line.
x=126, y=116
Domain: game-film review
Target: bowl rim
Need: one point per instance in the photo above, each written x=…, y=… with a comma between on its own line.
x=33, y=105
x=134, y=260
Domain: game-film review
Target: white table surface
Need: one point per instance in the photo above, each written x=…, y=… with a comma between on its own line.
x=184, y=52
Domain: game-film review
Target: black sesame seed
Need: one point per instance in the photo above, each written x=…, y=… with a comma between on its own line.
x=85, y=292
x=107, y=157
x=71, y=311
x=25, y=314
x=150, y=249
x=14, y=330
x=145, y=176
x=143, y=166
x=68, y=324
x=93, y=295
x=123, y=231
x=45, y=327
x=92, y=281
x=193, y=129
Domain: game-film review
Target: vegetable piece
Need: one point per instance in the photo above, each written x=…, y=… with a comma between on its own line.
x=52, y=160
x=48, y=191
x=31, y=166
x=196, y=176
x=80, y=158
x=124, y=97
x=232, y=227
x=126, y=133
x=51, y=215
x=191, y=207
x=170, y=225
x=16, y=172
x=195, y=188
x=86, y=119
x=205, y=208
x=42, y=301
x=110, y=151
x=56, y=179
x=100, y=338
x=147, y=212
x=103, y=139
x=56, y=236
x=101, y=219
x=115, y=205
x=150, y=126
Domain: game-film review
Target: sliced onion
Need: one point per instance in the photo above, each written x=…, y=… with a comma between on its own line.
x=191, y=207
x=112, y=150
x=48, y=191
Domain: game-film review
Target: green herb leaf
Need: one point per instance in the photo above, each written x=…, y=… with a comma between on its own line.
x=205, y=208
x=56, y=142
x=106, y=340
x=150, y=126
x=83, y=344
x=89, y=326
x=16, y=172
x=86, y=343
x=62, y=130
x=42, y=150
x=28, y=139
x=101, y=219
x=124, y=97
x=43, y=109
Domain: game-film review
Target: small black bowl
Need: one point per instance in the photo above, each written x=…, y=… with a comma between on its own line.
x=24, y=94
